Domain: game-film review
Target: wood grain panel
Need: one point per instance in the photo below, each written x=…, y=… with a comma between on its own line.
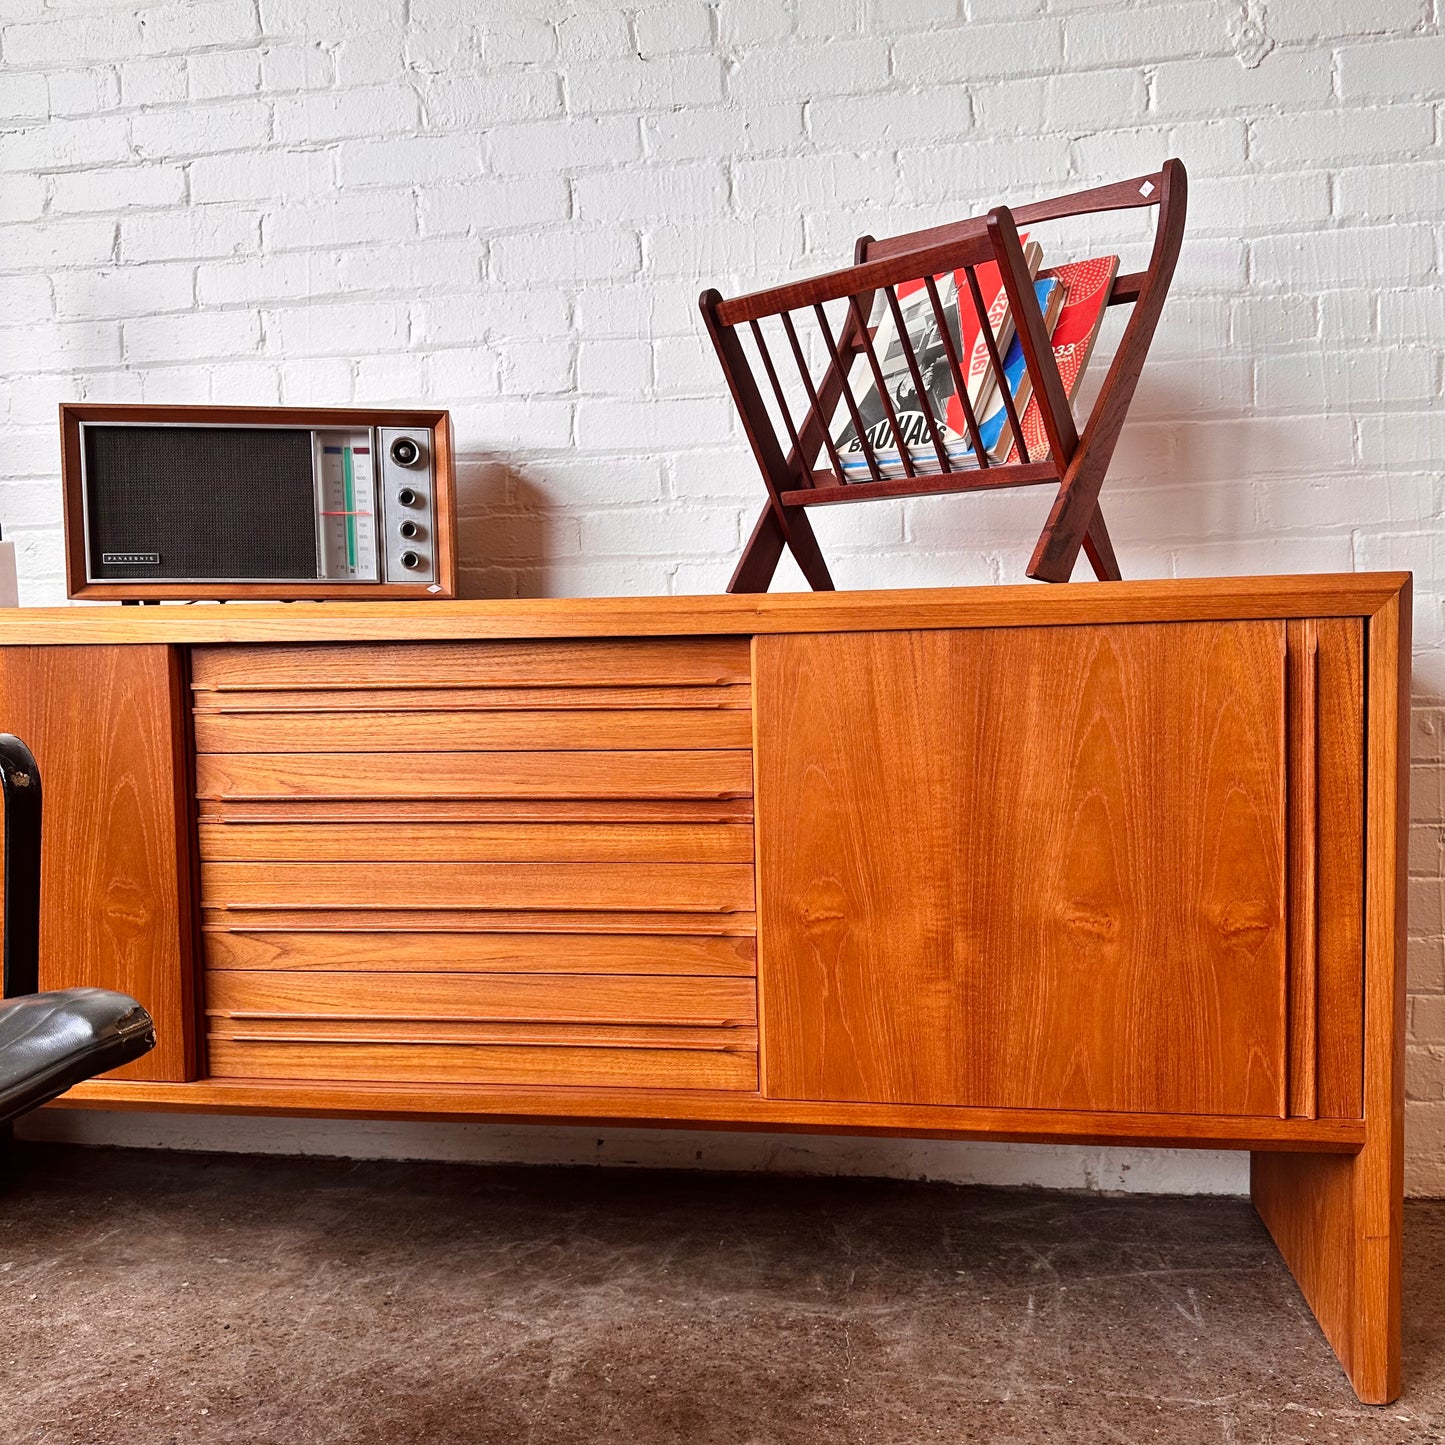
x=608, y=661
x=396, y=812
x=568, y=618
x=1338, y=1222
x=1299, y=1138
x=339, y=695
x=1302, y=639
x=1037, y=869
x=106, y=726
x=1326, y=875
x=1311, y=1225
x=1340, y=866
x=442, y=920
x=695, y=1032
x=432, y=1064
x=410, y=952
x=720, y=774
x=1380, y=1178
x=443, y=732
x=478, y=842
x=488, y=997
x=692, y=1032
x=619, y=887
x=425, y=1033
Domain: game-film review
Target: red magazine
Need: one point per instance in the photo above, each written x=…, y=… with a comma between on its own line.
x=973, y=346
x=957, y=312
x=968, y=335
x=1086, y=293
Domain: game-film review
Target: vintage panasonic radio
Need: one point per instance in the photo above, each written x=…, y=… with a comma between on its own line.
x=202, y=502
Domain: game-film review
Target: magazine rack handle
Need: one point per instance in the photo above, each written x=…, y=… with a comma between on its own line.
x=1076, y=463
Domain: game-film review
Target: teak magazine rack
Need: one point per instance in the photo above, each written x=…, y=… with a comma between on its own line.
x=1076, y=461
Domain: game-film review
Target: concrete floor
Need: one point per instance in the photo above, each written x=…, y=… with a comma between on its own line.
x=156, y=1298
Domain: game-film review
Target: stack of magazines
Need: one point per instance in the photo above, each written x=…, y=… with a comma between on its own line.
x=1071, y=299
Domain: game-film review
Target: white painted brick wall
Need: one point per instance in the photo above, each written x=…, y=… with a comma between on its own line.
x=511, y=208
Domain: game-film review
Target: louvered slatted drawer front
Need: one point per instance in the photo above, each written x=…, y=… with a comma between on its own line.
x=495, y=1029
x=473, y=862
x=569, y=887
x=581, y=774
x=475, y=951
x=479, y=842
x=408, y=666
x=583, y=1000
x=447, y=729
x=469, y=1063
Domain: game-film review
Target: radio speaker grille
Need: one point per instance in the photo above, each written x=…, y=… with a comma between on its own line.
x=211, y=503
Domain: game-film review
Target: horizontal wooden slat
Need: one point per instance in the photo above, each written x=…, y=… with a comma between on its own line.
x=442, y=920
x=431, y=732
x=478, y=842
x=628, y=887
x=471, y=1064
x=344, y=697
x=494, y=997
x=392, y=812
x=1024, y=604
x=664, y=1032
x=930, y=257
x=613, y=661
x=427, y=1033
x=719, y=774
x=996, y=478
x=409, y=952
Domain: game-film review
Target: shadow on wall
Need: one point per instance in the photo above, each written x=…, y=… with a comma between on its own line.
x=504, y=529
x=1178, y=500
x=1194, y=492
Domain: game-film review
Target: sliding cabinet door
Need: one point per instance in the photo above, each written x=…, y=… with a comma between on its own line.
x=1039, y=868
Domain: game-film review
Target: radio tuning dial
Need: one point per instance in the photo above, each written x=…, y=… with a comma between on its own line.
x=410, y=559
x=407, y=497
x=405, y=452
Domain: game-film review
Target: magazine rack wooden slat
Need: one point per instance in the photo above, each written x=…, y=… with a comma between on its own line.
x=1075, y=462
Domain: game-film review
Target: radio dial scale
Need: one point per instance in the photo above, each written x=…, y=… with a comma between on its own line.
x=366, y=532
x=346, y=506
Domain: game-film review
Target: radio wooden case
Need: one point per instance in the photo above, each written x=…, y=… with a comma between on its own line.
x=200, y=503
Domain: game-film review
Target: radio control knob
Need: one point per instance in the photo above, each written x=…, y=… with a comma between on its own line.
x=405, y=452
x=410, y=559
x=407, y=497
x=408, y=530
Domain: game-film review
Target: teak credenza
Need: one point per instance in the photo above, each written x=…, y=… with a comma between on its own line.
x=1111, y=863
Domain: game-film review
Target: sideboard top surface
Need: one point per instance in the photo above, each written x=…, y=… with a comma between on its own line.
x=1358, y=594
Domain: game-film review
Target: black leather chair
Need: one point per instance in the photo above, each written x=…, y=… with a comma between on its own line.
x=48, y=1041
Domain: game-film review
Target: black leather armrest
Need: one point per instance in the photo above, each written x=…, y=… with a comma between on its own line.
x=49, y=1041
x=20, y=779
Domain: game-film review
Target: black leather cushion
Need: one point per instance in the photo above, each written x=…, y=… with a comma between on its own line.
x=49, y=1041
